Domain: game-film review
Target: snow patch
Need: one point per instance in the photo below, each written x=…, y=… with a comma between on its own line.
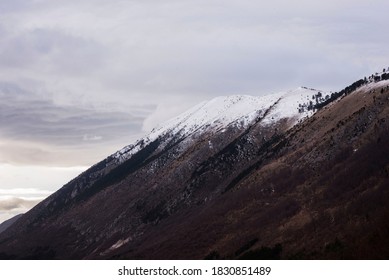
x=119, y=244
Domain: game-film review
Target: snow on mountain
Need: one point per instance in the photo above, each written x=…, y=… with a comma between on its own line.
x=235, y=110
x=289, y=104
x=374, y=85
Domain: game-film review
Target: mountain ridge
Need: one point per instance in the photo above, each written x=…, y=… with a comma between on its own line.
x=205, y=115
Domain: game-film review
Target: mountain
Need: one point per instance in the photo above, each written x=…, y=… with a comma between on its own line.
x=300, y=174
x=6, y=224
x=221, y=113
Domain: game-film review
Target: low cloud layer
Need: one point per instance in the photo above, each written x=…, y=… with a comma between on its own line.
x=34, y=129
x=23, y=115
x=15, y=203
x=10, y=207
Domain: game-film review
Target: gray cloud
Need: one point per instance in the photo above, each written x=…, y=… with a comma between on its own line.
x=15, y=203
x=25, y=115
x=145, y=49
x=35, y=129
x=14, y=6
x=56, y=51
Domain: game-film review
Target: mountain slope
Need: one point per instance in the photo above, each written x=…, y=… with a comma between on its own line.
x=237, y=177
x=6, y=224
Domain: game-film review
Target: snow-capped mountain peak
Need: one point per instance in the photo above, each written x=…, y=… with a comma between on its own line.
x=239, y=110
x=235, y=110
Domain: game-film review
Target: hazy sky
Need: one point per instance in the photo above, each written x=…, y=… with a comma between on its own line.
x=79, y=79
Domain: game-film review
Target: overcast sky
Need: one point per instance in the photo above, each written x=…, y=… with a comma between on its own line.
x=80, y=79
